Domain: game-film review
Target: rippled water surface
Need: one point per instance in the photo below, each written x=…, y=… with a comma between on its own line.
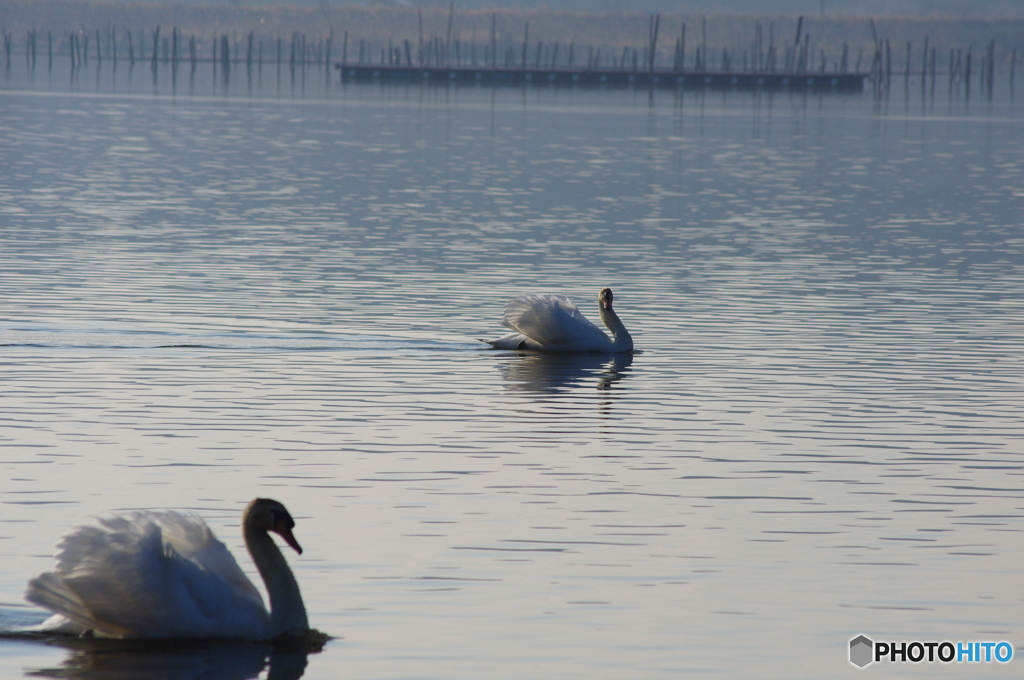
x=211, y=291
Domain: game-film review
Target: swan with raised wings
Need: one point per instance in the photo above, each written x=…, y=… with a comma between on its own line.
x=165, y=575
x=553, y=323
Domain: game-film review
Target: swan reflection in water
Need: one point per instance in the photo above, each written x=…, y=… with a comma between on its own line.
x=95, y=658
x=551, y=373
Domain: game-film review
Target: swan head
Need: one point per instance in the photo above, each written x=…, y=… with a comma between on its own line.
x=604, y=298
x=265, y=514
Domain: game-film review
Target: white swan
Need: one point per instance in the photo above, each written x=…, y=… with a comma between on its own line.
x=553, y=323
x=165, y=575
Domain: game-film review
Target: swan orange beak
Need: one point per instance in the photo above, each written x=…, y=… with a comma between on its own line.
x=284, y=531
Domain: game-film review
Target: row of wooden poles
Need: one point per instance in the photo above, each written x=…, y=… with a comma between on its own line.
x=764, y=56
x=761, y=57
x=170, y=48
x=959, y=70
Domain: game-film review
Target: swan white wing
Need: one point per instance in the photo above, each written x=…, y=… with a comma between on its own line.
x=553, y=322
x=193, y=539
x=122, y=578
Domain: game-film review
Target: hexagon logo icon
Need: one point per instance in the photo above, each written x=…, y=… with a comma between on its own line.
x=861, y=649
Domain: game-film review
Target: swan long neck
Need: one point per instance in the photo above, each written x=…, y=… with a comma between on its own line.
x=621, y=339
x=287, y=611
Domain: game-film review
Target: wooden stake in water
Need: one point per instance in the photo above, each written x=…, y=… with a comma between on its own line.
x=682, y=47
x=888, y=61
x=990, y=65
x=794, y=66
x=967, y=71
x=655, y=22
x=924, y=62
x=934, y=55
x=494, y=40
x=704, y=43
x=156, y=43
x=526, y=40
x=1013, y=65
x=419, y=17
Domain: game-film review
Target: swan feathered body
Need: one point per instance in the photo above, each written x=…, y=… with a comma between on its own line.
x=553, y=323
x=166, y=575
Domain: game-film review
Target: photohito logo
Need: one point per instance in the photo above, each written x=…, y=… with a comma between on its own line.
x=863, y=650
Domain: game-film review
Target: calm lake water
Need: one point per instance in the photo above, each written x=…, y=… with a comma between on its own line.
x=275, y=285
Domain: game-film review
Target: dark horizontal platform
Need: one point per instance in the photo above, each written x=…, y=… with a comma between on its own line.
x=845, y=82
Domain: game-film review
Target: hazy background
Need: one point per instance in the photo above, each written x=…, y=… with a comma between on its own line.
x=808, y=7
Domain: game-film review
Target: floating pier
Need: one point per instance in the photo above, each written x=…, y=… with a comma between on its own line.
x=841, y=82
